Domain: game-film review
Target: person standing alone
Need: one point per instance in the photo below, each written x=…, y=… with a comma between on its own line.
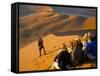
x=40, y=45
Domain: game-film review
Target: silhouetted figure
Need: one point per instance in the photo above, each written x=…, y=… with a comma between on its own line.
x=77, y=53
x=40, y=45
x=63, y=59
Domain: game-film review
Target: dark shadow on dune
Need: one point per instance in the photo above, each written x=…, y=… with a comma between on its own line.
x=59, y=25
x=44, y=55
x=52, y=21
x=35, y=59
x=26, y=34
x=73, y=32
x=30, y=35
x=51, y=51
x=80, y=20
x=70, y=24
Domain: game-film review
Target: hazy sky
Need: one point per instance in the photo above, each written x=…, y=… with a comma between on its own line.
x=87, y=12
x=76, y=11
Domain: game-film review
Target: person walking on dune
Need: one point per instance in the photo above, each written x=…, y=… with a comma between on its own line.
x=40, y=45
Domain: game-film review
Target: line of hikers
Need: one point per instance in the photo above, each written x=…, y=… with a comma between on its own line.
x=80, y=50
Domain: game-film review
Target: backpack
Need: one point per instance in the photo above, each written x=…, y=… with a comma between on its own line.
x=63, y=59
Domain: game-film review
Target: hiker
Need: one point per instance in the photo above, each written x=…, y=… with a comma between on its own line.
x=90, y=47
x=87, y=39
x=63, y=59
x=40, y=45
x=77, y=54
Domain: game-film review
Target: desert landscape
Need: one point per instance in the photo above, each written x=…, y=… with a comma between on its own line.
x=56, y=28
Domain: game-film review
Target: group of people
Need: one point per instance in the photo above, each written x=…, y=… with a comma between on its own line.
x=81, y=50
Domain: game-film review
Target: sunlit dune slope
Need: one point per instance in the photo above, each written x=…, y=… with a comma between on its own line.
x=29, y=55
x=30, y=60
x=48, y=21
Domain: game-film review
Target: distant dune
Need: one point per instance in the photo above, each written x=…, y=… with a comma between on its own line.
x=48, y=22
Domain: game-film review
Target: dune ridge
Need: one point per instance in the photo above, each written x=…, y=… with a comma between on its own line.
x=56, y=28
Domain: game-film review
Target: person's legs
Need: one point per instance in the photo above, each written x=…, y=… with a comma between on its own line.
x=40, y=51
x=44, y=50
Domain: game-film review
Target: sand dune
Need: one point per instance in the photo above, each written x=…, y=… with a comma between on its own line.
x=49, y=22
x=31, y=61
x=27, y=10
x=29, y=55
x=56, y=28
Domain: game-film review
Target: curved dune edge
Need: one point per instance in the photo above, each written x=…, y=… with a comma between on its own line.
x=29, y=59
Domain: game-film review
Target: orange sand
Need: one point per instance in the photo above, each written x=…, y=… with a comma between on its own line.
x=29, y=59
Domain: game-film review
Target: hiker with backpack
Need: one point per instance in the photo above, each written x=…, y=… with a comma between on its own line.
x=63, y=59
x=77, y=54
